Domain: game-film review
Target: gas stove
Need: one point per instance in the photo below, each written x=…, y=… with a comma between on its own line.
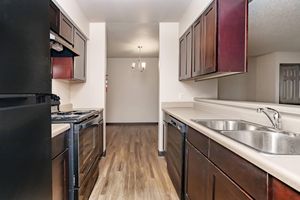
x=75, y=116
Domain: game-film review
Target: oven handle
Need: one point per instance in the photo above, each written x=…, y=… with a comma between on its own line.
x=91, y=122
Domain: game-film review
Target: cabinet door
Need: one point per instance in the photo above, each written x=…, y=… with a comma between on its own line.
x=279, y=190
x=220, y=187
x=196, y=174
x=197, y=47
x=185, y=55
x=54, y=17
x=182, y=58
x=66, y=29
x=189, y=49
x=210, y=39
x=60, y=177
x=80, y=61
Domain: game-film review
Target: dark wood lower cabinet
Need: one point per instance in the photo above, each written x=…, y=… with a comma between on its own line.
x=213, y=172
x=248, y=176
x=221, y=187
x=196, y=174
x=204, y=181
x=279, y=191
x=60, y=167
x=60, y=177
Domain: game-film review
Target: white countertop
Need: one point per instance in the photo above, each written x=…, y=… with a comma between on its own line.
x=59, y=128
x=284, y=168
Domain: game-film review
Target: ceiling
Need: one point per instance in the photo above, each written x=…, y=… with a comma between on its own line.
x=274, y=25
x=133, y=11
x=124, y=38
x=131, y=23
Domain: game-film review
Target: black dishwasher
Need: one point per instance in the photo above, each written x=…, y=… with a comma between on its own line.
x=175, y=154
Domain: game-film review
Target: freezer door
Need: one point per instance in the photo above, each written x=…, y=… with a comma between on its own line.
x=24, y=47
x=25, y=152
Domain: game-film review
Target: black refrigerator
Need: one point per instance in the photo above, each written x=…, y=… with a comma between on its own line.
x=25, y=85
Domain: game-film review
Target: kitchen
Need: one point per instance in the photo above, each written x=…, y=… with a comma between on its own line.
x=212, y=114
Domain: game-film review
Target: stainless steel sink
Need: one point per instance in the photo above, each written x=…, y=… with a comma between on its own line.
x=228, y=125
x=267, y=141
x=261, y=138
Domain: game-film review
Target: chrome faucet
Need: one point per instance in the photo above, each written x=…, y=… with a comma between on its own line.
x=273, y=115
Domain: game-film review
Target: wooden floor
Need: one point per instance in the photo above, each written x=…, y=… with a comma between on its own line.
x=132, y=169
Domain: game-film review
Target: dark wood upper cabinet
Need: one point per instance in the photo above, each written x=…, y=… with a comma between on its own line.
x=68, y=68
x=210, y=39
x=219, y=42
x=66, y=29
x=182, y=58
x=198, y=49
x=185, y=58
x=80, y=61
x=54, y=17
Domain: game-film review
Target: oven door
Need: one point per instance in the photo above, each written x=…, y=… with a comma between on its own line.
x=87, y=144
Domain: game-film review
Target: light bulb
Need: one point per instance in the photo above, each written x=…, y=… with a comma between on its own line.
x=143, y=65
x=133, y=65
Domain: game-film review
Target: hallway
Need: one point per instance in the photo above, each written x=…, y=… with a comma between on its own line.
x=132, y=169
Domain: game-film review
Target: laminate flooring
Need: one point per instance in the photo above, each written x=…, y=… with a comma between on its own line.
x=132, y=169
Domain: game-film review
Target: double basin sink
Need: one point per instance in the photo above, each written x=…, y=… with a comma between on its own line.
x=258, y=137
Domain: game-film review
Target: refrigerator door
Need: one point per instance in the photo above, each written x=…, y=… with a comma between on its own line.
x=24, y=47
x=25, y=150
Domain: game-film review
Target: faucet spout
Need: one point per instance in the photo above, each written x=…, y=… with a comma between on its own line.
x=273, y=115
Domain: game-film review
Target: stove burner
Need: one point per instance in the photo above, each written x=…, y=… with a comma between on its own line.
x=65, y=113
x=82, y=112
x=72, y=116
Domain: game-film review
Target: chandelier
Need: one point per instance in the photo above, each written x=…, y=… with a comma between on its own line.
x=139, y=65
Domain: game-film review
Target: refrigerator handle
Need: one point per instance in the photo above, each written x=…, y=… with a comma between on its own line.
x=23, y=100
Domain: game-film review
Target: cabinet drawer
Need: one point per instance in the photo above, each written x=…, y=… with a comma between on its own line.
x=249, y=177
x=199, y=140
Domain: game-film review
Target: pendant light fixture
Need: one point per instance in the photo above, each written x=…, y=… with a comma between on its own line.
x=139, y=65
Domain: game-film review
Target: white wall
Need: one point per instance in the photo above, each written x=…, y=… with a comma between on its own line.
x=240, y=87
x=170, y=88
x=62, y=89
x=261, y=83
x=267, y=74
x=266, y=78
x=132, y=95
x=91, y=93
x=192, y=13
